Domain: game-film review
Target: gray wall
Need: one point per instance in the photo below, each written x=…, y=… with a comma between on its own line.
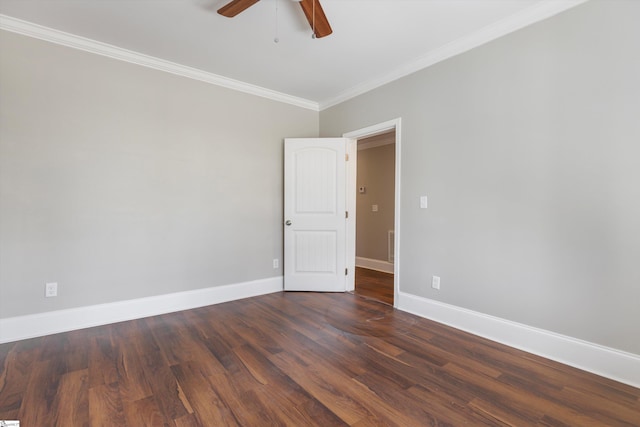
x=529, y=150
x=376, y=171
x=120, y=182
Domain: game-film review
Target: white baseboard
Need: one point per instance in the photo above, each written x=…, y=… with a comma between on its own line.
x=52, y=322
x=374, y=264
x=607, y=362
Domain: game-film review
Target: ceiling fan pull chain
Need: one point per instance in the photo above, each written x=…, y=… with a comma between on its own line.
x=276, y=38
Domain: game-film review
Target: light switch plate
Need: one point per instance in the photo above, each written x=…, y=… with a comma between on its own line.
x=374, y=208
x=423, y=202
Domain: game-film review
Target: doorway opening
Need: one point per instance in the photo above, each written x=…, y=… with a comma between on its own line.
x=375, y=210
x=374, y=195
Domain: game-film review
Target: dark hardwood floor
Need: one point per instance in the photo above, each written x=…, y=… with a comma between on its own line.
x=296, y=359
x=374, y=284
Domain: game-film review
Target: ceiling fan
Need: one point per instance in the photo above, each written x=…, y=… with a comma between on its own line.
x=311, y=8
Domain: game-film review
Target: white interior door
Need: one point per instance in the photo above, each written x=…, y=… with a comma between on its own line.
x=315, y=214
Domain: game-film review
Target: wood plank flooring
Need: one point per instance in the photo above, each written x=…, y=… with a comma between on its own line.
x=296, y=359
x=374, y=284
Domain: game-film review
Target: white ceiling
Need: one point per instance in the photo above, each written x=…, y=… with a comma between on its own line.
x=373, y=41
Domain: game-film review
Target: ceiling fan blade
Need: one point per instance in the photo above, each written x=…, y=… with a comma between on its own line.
x=316, y=17
x=234, y=7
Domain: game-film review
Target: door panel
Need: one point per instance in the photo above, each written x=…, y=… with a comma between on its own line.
x=314, y=209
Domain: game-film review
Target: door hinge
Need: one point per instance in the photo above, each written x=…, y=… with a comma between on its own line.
x=346, y=214
x=346, y=157
x=346, y=271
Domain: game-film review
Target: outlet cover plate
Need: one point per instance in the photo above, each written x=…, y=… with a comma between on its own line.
x=51, y=290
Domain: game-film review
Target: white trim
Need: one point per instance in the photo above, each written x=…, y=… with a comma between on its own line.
x=607, y=362
x=19, y=26
x=52, y=322
x=374, y=264
x=537, y=12
x=377, y=129
x=351, y=176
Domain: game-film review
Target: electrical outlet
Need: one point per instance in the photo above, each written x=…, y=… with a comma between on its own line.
x=435, y=282
x=51, y=290
x=276, y=263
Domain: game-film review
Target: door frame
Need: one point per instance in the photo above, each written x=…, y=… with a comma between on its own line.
x=351, y=193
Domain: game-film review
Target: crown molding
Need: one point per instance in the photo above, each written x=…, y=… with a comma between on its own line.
x=30, y=29
x=376, y=143
x=529, y=16
x=538, y=12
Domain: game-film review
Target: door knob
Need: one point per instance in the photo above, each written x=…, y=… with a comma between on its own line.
x=288, y=222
